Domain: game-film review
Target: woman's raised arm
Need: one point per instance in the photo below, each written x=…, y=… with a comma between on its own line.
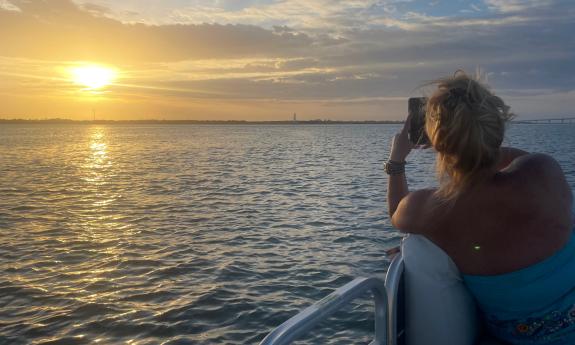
x=397, y=187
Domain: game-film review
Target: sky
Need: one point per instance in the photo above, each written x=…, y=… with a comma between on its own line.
x=268, y=59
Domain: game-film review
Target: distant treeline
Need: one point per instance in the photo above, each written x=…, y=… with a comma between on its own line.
x=194, y=122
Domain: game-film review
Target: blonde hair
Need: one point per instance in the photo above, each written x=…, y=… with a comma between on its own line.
x=465, y=122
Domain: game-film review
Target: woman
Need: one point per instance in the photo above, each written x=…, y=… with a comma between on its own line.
x=503, y=215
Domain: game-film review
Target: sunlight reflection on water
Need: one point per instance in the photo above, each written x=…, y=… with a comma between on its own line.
x=198, y=234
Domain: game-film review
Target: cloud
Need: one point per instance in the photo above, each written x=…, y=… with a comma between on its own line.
x=8, y=6
x=60, y=30
x=330, y=52
x=511, y=6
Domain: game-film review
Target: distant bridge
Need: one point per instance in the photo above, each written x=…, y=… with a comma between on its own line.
x=559, y=120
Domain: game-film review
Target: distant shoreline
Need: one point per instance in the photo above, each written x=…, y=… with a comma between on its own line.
x=191, y=122
x=240, y=122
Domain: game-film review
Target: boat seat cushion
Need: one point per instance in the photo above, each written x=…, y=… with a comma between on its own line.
x=438, y=307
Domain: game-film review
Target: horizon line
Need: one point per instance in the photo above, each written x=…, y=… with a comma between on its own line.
x=170, y=121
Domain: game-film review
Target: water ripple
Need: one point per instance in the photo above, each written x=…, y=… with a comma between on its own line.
x=196, y=234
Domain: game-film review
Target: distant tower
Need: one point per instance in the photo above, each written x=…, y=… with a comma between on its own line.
x=294, y=117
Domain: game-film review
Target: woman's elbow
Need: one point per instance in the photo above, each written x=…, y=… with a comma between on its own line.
x=400, y=223
x=394, y=222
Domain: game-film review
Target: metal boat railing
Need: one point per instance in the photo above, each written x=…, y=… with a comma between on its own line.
x=394, y=285
x=389, y=306
x=298, y=325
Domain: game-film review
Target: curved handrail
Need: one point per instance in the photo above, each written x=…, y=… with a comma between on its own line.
x=394, y=288
x=319, y=311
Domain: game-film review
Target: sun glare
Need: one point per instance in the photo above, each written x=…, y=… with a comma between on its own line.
x=93, y=76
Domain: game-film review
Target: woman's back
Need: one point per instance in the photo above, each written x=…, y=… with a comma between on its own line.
x=517, y=218
x=512, y=238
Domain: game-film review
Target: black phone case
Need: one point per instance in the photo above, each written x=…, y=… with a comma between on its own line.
x=417, y=134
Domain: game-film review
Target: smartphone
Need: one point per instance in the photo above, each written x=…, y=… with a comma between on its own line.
x=416, y=108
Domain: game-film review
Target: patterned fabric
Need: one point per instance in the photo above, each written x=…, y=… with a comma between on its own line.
x=533, y=305
x=554, y=327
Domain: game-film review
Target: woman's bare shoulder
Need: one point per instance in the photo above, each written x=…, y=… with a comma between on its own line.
x=534, y=165
x=415, y=211
x=537, y=173
x=537, y=182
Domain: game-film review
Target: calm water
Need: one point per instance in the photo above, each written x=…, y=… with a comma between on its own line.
x=198, y=234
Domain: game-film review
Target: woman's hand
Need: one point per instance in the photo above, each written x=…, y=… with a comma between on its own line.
x=391, y=253
x=400, y=145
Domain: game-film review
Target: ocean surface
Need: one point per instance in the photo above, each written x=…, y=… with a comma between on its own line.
x=199, y=234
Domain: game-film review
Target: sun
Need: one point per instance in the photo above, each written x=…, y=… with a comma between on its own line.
x=93, y=76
